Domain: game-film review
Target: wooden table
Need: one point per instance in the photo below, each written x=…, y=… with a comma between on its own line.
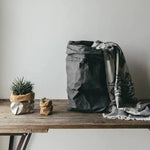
x=25, y=125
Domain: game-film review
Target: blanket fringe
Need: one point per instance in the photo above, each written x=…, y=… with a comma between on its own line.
x=126, y=117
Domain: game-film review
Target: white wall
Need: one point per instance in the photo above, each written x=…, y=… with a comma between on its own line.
x=34, y=35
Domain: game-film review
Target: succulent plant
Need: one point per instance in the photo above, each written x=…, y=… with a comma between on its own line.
x=21, y=86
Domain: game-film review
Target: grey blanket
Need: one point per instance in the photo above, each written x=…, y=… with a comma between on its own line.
x=124, y=104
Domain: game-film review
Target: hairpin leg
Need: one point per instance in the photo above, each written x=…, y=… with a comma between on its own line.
x=11, y=142
x=27, y=141
x=23, y=142
x=22, y=139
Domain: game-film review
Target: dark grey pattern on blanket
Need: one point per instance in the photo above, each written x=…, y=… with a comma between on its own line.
x=124, y=104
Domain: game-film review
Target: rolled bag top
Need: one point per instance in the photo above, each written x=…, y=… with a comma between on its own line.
x=21, y=98
x=82, y=47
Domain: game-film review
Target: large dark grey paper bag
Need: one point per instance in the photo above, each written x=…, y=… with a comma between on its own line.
x=86, y=79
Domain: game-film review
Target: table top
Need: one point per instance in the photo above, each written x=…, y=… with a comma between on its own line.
x=60, y=119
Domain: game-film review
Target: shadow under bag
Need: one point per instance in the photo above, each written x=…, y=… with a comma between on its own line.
x=86, y=78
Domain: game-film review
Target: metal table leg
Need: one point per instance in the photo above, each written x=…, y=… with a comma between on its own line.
x=11, y=142
x=20, y=144
x=23, y=142
x=27, y=141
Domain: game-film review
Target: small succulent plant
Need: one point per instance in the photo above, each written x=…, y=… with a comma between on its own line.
x=21, y=86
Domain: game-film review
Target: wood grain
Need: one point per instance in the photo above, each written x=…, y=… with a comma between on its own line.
x=60, y=119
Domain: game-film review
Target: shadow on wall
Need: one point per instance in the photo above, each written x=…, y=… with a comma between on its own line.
x=140, y=76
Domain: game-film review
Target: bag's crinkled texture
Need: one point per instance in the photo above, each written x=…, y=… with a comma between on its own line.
x=21, y=104
x=20, y=98
x=86, y=79
x=22, y=107
x=46, y=107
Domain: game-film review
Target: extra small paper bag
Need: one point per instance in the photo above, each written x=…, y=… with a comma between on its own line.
x=46, y=107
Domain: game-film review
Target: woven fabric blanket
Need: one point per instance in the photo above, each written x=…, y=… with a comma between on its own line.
x=124, y=104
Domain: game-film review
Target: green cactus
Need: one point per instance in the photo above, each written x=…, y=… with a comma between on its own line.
x=20, y=86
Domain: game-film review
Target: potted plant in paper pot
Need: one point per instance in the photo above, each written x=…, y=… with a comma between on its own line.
x=22, y=97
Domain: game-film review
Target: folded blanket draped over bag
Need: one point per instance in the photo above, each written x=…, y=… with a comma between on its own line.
x=124, y=104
